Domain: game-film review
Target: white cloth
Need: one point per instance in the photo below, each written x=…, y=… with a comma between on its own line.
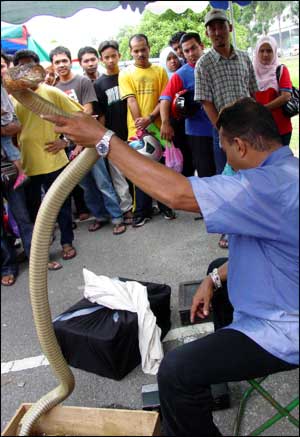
x=130, y=296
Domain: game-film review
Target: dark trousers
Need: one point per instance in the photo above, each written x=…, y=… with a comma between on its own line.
x=219, y=154
x=180, y=141
x=78, y=196
x=143, y=202
x=187, y=372
x=201, y=151
x=33, y=195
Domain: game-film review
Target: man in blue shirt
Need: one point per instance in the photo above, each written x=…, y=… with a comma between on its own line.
x=257, y=324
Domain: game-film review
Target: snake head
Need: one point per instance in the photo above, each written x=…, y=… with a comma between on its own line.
x=24, y=76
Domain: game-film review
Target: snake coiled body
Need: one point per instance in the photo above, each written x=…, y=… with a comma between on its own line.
x=19, y=82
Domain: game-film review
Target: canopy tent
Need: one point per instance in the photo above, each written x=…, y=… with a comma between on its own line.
x=17, y=12
x=15, y=38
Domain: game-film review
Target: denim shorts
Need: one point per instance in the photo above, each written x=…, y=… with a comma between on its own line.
x=11, y=151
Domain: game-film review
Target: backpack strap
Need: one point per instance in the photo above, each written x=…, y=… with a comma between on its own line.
x=279, y=70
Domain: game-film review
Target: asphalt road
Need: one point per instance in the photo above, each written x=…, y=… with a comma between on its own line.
x=162, y=251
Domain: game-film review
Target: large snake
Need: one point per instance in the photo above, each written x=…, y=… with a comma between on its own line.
x=21, y=81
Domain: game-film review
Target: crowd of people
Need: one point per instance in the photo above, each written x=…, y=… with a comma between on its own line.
x=126, y=101
x=239, y=175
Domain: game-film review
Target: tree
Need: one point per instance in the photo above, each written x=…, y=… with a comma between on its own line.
x=257, y=17
x=159, y=29
x=267, y=11
x=295, y=11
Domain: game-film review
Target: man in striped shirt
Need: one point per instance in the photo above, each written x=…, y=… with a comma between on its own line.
x=222, y=75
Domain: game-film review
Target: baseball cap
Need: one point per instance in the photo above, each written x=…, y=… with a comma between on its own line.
x=215, y=14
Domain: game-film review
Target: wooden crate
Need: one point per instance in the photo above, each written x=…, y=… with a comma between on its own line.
x=83, y=421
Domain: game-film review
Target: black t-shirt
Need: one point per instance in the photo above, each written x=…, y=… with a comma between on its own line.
x=110, y=104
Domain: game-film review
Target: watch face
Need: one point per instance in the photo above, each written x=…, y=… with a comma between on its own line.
x=102, y=148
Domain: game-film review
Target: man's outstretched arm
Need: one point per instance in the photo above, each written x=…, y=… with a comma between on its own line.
x=158, y=181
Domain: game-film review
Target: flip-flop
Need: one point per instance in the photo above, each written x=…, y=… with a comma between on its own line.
x=9, y=281
x=95, y=226
x=54, y=265
x=119, y=229
x=68, y=252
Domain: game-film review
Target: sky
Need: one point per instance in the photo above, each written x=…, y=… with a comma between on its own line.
x=91, y=26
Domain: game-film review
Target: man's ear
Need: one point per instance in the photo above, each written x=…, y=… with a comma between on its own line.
x=206, y=32
x=241, y=146
x=230, y=27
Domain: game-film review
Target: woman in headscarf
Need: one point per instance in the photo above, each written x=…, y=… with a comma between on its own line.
x=169, y=60
x=273, y=93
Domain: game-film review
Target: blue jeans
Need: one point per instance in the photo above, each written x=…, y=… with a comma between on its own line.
x=99, y=194
x=12, y=153
x=17, y=204
x=219, y=154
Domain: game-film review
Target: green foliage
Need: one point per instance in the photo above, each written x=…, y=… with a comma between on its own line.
x=159, y=29
x=258, y=16
x=123, y=38
x=295, y=11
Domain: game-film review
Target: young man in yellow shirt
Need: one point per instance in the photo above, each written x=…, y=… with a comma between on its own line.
x=41, y=165
x=141, y=84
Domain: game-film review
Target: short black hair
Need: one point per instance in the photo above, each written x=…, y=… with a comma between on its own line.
x=7, y=58
x=250, y=121
x=190, y=35
x=175, y=38
x=85, y=50
x=24, y=53
x=108, y=44
x=59, y=51
x=138, y=36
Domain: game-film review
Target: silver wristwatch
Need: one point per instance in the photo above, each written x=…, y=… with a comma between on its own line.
x=216, y=279
x=103, y=146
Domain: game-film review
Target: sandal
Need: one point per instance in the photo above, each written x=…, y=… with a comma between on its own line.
x=119, y=228
x=128, y=218
x=54, y=265
x=95, y=226
x=8, y=280
x=223, y=242
x=68, y=252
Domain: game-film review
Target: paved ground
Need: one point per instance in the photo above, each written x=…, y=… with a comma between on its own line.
x=161, y=251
